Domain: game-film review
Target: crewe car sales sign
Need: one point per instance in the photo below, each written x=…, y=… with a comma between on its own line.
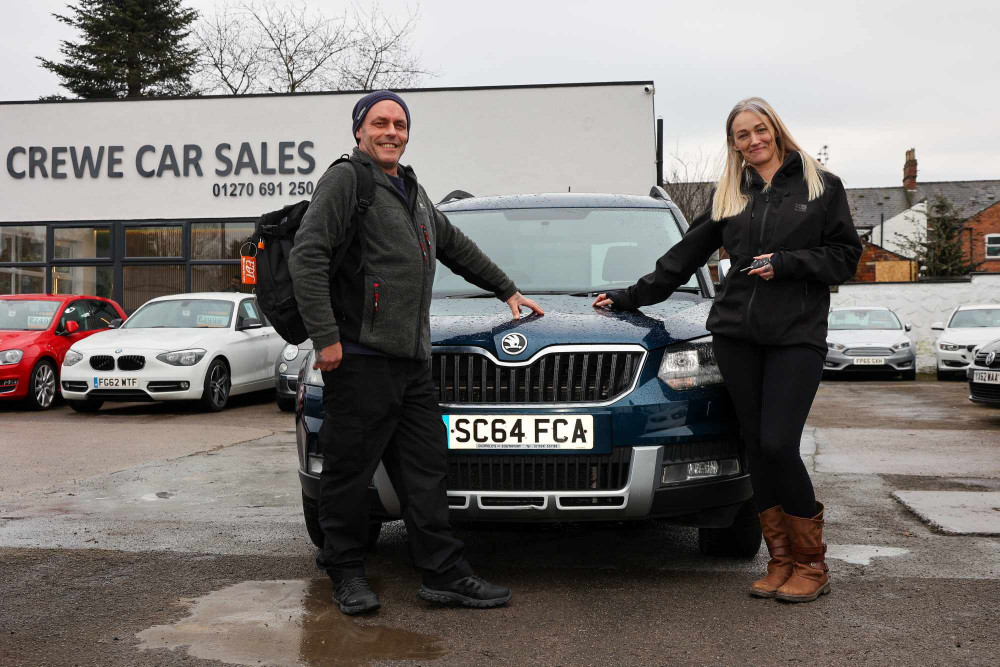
x=261, y=169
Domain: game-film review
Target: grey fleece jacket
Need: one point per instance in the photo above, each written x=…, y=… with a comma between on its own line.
x=386, y=304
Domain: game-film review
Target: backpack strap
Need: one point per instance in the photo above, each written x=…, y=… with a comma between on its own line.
x=365, y=197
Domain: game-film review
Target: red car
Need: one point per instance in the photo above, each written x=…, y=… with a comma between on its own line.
x=35, y=332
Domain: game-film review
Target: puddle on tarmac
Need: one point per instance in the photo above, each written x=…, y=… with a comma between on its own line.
x=284, y=623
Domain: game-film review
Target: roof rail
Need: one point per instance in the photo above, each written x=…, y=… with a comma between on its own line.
x=658, y=192
x=455, y=195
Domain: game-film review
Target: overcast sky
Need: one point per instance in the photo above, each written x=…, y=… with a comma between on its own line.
x=868, y=79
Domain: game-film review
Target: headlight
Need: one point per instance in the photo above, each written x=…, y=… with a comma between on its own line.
x=10, y=357
x=902, y=345
x=307, y=374
x=949, y=347
x=290, y=352
x=834, y=346
x=690, y=365
x=72, y=358
x=181, y=357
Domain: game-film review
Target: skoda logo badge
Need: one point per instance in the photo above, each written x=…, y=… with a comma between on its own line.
x=990, y=358
x=514, y=343
x=118, y=351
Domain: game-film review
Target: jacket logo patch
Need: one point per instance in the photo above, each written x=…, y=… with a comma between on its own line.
x=801, y=208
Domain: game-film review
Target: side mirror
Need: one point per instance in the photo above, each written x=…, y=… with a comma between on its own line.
x=937, y=326
x=71, y=328
x=908, y=326
x=724, y=266
x=249, y=323
x=115, y=323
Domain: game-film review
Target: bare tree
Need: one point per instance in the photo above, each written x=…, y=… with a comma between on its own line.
x=230, y=60
x=691, y=182
x=382, y=54
x=255, y=47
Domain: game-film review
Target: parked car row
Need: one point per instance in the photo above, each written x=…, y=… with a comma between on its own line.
x=203, y=347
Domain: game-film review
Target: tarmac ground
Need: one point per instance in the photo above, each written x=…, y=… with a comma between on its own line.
x=152, y=534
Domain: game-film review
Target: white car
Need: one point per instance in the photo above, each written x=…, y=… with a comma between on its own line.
x=204, y=347
x=968, y=328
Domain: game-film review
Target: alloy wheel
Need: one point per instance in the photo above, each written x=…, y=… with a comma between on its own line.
x=45, y=385
x=219, y=384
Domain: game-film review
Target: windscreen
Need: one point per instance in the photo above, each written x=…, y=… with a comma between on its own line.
x=566, y=249
x=182, y=314
x=975, y=319
x=26, y=315
x=840, y=320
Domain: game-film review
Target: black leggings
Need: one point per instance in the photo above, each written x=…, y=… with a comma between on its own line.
x=772, y=388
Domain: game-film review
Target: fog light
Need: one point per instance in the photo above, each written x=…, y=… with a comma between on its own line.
x=829, y=364
x=674, y=473
x=703, y=469
x=185, y=385
x=282, y=367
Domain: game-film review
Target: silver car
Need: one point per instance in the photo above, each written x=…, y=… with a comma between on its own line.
x=286, y=372
x=869, y=339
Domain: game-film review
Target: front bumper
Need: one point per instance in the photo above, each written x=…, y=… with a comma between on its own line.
x=954, y=361
x=13, y=385
x=157, y=381
x=838, y=361
x=982, y=392
x=287, y=385
x=710, y=502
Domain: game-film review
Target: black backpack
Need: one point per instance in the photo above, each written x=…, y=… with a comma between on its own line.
x=274, y=237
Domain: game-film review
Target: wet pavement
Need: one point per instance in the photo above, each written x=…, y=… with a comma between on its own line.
x=198, y=556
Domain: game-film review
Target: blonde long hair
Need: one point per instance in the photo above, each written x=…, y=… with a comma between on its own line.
x=729, y=199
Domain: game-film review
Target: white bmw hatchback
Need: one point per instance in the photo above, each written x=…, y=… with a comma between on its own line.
x=201, y=347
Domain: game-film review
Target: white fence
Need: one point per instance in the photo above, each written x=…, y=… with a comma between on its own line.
x=921, y=304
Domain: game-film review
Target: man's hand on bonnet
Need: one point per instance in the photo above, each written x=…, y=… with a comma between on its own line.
x=515, y=302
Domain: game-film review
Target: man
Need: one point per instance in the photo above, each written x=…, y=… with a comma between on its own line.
x=370, y=326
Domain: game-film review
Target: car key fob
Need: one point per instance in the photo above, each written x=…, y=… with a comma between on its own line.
x=758, y=263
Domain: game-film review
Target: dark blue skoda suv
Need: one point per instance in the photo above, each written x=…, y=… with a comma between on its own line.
x=580, y=414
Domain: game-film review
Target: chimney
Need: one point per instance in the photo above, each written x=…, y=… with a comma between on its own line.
x=910, y=170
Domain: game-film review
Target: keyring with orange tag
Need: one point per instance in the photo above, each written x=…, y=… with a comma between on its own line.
x=248, y=264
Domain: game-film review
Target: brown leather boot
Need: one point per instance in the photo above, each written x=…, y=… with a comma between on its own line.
x=809, y=577
x=779, y=568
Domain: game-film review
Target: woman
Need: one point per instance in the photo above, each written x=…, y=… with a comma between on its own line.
x=773, y=203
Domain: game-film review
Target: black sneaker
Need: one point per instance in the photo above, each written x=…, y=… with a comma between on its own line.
x=468, y=592
x=355, y=596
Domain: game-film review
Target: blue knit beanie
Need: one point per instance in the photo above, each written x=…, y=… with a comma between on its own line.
x=365, y=104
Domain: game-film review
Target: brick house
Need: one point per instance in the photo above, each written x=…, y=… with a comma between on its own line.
x=882, y=215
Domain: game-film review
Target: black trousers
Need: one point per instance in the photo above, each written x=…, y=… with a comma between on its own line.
x=385, y=409
x=772, y=388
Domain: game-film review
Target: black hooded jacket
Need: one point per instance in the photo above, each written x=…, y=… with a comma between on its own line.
x=814, y=243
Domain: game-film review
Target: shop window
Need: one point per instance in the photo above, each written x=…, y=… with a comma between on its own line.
x=142, y=283
x=993, y=246
x=22, y=281
x=81, y=243
x=218, y=240
x=150, y=241
x=22, y=244
x=217, y=278
x=90, y=280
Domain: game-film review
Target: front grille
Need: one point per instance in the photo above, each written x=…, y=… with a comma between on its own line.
x=570, y=472
x=981, y=360
x=102, y=362
x=869, y=352
x=557, y=377
x=131, y=362
x=985, y=392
